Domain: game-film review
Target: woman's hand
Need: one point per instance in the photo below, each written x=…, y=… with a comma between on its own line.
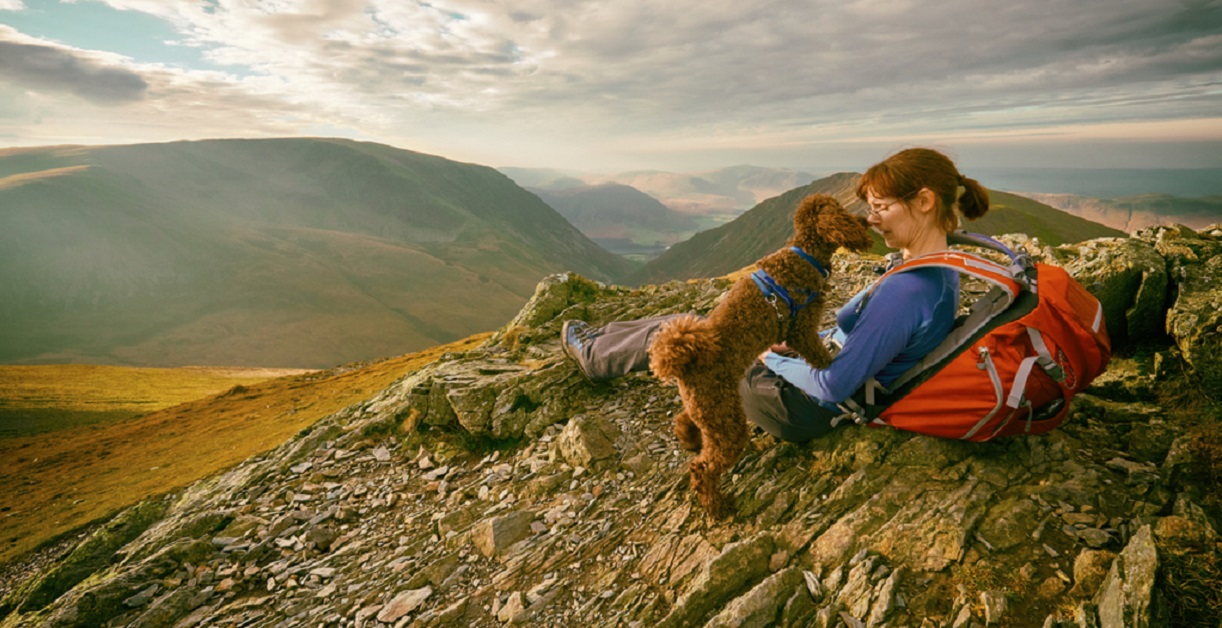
x=780, y=349
x=783, y=349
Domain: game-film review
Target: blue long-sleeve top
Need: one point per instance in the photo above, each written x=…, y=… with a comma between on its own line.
x=907, y=316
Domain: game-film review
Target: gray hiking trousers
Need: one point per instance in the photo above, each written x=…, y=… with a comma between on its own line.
x=771, y=402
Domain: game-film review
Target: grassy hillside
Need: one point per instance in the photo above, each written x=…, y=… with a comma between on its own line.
x=294, y=252
x=37, y=399
x=766, y=226
x=63, y=479
x=1011, y=213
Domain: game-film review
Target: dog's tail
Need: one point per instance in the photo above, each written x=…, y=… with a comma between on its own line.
x=684, y=343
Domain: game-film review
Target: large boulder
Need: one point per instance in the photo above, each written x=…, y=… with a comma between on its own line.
x=1128, y=598
x=1194, y=320
x=1129, y=278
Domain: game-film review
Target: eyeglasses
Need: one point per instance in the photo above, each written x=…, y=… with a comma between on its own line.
x=875, y=212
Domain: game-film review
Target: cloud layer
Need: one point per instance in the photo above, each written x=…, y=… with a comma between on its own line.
x=51, y=68
x=579, y=79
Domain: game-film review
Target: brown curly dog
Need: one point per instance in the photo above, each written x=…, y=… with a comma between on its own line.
x=708, y=356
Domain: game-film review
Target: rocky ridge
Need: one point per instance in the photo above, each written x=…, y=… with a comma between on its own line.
x=498, y=486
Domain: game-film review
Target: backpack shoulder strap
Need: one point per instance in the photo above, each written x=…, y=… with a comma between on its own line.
x=964, y=263
x=1021, y=265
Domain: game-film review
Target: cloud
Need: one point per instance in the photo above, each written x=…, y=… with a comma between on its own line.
x=540, y=73
x=47, y=67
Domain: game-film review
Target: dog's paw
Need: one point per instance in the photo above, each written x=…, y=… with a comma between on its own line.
x=721, y=509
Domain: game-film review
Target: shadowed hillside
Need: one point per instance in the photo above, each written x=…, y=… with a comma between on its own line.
x=289, y=252
x=766, y=226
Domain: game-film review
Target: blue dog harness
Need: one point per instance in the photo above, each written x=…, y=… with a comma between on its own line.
x=774, y=291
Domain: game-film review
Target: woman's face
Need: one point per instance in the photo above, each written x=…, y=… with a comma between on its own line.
x=894, y=220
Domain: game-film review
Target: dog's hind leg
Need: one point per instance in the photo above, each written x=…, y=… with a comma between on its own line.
x=724, y=440
x=687, y=432
x=705, y=480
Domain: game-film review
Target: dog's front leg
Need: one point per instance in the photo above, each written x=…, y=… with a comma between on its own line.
x=804, y=337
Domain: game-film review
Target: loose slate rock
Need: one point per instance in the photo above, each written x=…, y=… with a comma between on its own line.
x=403, y=604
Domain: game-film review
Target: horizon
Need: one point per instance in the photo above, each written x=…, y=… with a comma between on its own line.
x=809, y=87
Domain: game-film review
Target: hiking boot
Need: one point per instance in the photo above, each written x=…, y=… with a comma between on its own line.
x=575, y=337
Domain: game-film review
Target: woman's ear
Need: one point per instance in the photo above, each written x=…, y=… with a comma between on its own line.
x=926, y=201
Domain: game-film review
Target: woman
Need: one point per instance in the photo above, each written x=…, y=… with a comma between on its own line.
x=913, y=197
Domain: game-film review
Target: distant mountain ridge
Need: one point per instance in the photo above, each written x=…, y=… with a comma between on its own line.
x=611, y=213
x=723, y=192
x=282, y=252
x=766, y=226
x=1103, y=182
x=1130, y=213
x=739, y=243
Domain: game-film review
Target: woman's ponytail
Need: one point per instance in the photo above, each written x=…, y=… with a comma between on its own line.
x=974, y=202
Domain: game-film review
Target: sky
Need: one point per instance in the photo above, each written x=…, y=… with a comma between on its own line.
x=614, y=85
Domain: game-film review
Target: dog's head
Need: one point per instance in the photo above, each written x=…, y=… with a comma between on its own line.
x=821, y=224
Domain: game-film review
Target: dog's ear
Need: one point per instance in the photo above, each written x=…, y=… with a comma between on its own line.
x=851, y=232
x=822, y=214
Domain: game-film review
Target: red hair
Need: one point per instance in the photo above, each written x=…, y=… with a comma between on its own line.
x=907, y=172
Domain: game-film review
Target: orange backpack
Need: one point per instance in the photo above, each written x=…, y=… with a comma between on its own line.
x=1009, y=366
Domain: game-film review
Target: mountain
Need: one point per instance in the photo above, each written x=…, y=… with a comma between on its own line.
x=494, y=485
x=545, y=178
x=762, y=183
x=739, y=243
x=620, y=218
x=724, y=191
x=1130, y=213
x=1011, y=213
x=279, y=252
x=766, y=226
